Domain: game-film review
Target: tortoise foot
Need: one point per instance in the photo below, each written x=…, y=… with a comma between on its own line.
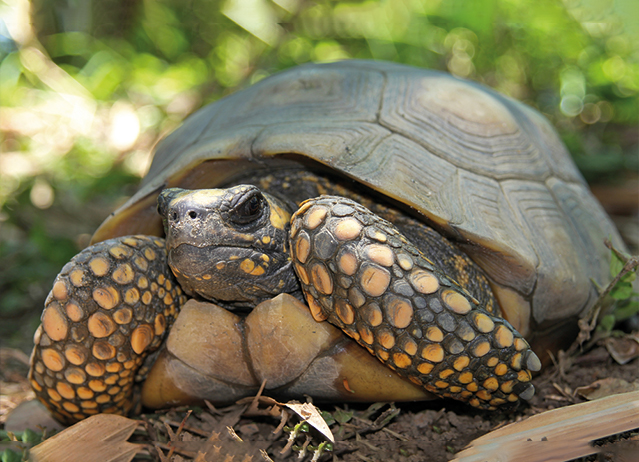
x=359, y=273
x=109, y=308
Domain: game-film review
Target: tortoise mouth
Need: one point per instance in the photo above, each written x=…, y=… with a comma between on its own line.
x=178, y=243
x=194, y=260
x=177, y=240
x=232, y=273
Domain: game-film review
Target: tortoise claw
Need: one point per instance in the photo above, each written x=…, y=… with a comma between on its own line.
x=528, y=393
x=532, y=362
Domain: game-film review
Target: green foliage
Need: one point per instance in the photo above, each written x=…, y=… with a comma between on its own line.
x=29, y=437
x=328, y=418
x=341, y=416
x=623, y=289
x=623, y=270
x=10, y=456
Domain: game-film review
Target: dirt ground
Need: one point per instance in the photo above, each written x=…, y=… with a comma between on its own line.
x=432, y=431
x=406, y=432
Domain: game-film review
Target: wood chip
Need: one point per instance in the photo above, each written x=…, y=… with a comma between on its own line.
x=559, y=434
x=100, y=437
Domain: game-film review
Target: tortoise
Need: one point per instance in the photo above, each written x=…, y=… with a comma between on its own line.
x=434, y=222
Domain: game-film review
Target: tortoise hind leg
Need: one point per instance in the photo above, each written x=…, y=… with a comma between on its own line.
x=362, y=275
x=109, y=308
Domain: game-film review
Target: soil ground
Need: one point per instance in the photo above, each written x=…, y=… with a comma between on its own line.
x=426, y=431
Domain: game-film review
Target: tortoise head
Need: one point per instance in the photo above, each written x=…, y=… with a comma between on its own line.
x=228, y=244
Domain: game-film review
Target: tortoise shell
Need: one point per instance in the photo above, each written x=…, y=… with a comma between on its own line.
x=488, y=172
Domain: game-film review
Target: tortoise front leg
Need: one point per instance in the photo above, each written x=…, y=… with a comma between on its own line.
x=361, y=274
x=110, y=307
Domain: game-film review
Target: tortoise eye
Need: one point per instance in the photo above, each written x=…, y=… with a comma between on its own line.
x=248, y=210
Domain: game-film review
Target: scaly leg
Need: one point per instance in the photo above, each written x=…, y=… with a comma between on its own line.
x=362, y=275
x=110, y=307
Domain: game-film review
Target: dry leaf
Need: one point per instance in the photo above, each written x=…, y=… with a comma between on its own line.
x=311, y=414
x=623, y=349
x=557, y=435
x=606, y=387
x=101, y=437
x=306, y=411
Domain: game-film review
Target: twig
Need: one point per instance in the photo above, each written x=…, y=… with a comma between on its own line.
x=182, y=426
x=588, y=322
x=396, y=435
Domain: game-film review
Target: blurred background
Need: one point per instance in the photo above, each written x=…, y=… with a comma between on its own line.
x=88, y=87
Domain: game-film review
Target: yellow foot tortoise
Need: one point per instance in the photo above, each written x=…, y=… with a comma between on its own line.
x=438, y=224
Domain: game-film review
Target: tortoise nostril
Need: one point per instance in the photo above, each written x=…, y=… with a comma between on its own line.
x=193, y=214
x=174, y=216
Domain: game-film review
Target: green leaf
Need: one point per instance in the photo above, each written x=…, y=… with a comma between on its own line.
x=342, y=416
x=607, y=322
x=29, y=436
x=630, y=276
x=9, y=456
x=621, y=291
x=627, y=310
x=616, y=265
x=328, y=418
